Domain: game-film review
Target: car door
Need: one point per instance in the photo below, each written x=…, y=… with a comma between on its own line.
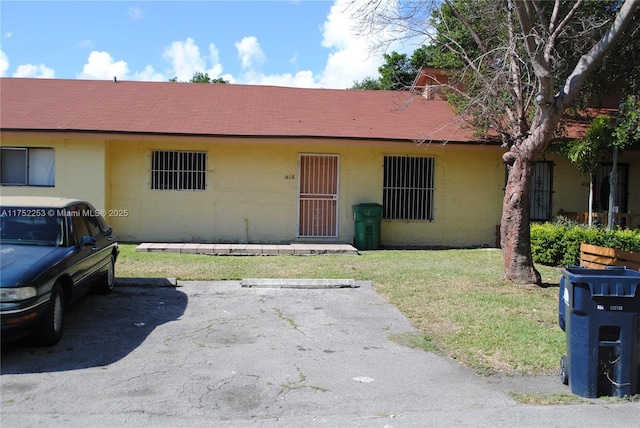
x=102, y=234
x=83, y=258
x=97, y=252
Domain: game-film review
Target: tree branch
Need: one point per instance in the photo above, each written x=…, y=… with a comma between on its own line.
x=526, y=14
x=469, y=28
x=515, y=82
x=540, y=13
x=555, y=32
x=588, y=61
x=554, y=15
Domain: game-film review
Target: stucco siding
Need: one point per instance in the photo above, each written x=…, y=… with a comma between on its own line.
x=79, y=169
x=247, y=197
x=252, y=192
x=571, y=189
x=468, y=195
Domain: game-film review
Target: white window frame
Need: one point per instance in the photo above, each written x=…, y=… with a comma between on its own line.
x=35, y=168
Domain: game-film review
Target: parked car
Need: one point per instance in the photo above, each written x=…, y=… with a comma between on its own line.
x=52, y=251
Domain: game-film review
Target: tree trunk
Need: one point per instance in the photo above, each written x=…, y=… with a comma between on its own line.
x=515, y=237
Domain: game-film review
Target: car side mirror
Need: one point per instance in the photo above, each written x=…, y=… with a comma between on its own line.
x=87, y=240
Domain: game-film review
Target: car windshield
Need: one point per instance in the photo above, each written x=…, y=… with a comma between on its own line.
x=28, y=226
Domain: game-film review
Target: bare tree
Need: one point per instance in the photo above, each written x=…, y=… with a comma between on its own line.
x=522, y=64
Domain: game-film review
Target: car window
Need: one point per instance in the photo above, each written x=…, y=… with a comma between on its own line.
x=103, y=224
x=94, y=225
x=30, y=226
x=80, y=228
x=92, y=221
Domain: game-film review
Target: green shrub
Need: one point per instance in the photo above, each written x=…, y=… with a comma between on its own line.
x=558, y=243
x=546, y=242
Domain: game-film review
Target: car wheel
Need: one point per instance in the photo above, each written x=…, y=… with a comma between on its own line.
x=49, y=331
x=564, y=371
x=106, y=282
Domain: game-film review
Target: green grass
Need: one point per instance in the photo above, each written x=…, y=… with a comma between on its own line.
x=457, y=299
x=541, y=399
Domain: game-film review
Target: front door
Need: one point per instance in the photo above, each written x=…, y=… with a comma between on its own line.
x=318, y=196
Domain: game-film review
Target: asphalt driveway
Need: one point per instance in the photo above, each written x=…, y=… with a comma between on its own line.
x=219, y=354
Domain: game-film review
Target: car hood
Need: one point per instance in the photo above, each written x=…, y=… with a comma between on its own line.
x=22, y=263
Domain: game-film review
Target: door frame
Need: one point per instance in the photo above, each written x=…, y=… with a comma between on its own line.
x=333, y=197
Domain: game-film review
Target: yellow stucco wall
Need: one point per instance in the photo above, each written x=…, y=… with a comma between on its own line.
x=79, y=168
x=571, y=190
x=251, y=193
x=252, y=188
x=247, y=195
x=469, y=182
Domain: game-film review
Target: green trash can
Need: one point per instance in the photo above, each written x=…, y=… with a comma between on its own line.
x=367, y=225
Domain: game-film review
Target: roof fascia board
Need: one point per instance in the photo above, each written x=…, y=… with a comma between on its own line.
x=252, y=139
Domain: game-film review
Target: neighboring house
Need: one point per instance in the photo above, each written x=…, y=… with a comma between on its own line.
x=257, y=164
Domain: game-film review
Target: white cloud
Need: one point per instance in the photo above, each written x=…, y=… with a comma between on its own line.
x=353, y=55
x=302, y=79
x=349, y=57
x=4, y=64
x=294, y=59
x=86, y=43
x=8, y=35
x=101, y=65
x=135, y=12
x=30, y=70
x=252, y=57
x=335, y=30
x=185, y=59
x=149, y=74
x=214, y=57
x=250, y=52
x=25, y=70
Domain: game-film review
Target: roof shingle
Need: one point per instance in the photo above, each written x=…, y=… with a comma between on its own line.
x=223, y=110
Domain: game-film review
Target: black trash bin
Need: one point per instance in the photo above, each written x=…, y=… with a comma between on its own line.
x=599, y=310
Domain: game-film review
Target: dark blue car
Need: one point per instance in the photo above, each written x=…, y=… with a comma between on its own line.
x=52, y=251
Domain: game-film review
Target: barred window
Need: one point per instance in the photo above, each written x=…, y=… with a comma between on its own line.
x=601, y=187
x=174, y=170
x=541, y=191
x=408, y=188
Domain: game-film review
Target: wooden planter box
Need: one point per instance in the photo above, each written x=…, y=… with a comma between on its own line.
x=594, y=257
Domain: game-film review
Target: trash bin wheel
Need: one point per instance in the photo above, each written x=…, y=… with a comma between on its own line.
x=564, y=374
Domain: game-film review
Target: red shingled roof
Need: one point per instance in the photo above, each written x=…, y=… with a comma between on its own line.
x=223, y=110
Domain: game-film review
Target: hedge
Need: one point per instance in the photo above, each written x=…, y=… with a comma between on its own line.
x=558, y=244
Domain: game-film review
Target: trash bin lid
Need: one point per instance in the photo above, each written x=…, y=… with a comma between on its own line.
x=615, y=281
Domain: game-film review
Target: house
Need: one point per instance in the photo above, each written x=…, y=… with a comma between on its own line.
x=178, y=162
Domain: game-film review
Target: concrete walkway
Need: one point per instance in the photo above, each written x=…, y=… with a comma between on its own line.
x=294, y=248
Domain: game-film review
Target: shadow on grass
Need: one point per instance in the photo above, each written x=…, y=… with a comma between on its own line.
x=550, y=285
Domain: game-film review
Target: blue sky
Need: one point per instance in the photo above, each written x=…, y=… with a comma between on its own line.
x=299, y=43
